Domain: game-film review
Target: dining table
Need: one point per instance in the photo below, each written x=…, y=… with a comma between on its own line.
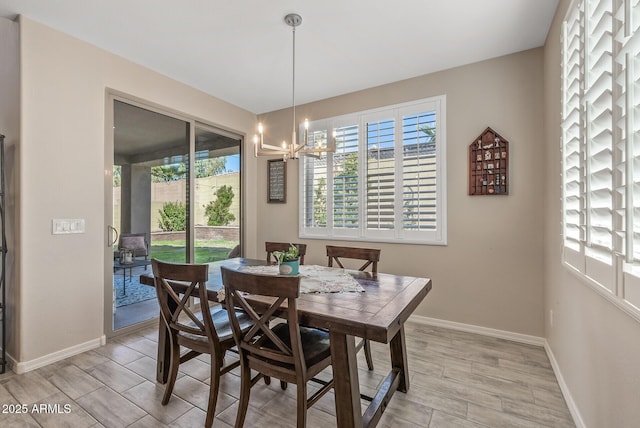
x=378, y=313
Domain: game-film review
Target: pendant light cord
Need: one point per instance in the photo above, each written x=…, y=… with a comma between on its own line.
x=293, y=90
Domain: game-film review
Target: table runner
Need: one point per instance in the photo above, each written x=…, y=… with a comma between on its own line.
x=315, y=279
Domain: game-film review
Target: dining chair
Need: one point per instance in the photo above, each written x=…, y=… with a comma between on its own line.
x=207, y=331
x=287, y=351
x=371, y=257
x=271, y=247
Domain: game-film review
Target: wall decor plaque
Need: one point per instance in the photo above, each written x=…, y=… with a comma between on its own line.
x=277, y=181
x=489, y=164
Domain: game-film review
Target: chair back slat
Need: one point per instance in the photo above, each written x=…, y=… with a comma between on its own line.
x=260, y=341
x=182, y=310
x=371, y=256
x=261, y=321
x=271, y=247
x=176, y=284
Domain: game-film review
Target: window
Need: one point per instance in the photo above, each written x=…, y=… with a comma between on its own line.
x=601, y=147
x=385, y=181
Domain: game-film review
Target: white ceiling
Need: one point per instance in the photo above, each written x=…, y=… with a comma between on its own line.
x=241, y=50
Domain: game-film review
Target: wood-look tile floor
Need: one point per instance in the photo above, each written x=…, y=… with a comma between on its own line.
x=457, y=380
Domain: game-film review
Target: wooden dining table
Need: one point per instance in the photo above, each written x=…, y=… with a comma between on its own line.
x=377, y=314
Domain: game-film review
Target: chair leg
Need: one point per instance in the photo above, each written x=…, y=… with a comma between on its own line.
x=283, y=385
x=245, y=390
x=302, y=404
x=214, y=385
x=173, y=371
x=367, y=354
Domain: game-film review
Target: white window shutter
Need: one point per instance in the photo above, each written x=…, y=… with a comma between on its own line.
x=572, y=150
x=380, y=170
x=385, y=182
x=314, y=187
x=628, y=61
x=346, y=205
x=419, y=185
x=601, y=147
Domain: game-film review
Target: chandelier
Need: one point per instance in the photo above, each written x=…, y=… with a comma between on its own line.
x=293, y=149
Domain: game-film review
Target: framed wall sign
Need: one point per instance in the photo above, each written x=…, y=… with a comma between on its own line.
x=277, y=181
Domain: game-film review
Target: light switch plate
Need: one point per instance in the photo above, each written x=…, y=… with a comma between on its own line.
x=67, y=226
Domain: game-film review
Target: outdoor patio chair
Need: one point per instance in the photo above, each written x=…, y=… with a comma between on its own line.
x=136, y=242
x=235, y=252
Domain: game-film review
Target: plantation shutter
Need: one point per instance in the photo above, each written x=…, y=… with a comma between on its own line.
x=599, y=141
x=601, y=147
x=628, y=189
x=385, y=181
x=345, y=178
x=380, y=173
x=419, y=172
x=314, y=193
x=572, y=156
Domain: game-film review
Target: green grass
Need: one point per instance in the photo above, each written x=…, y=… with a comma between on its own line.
x=205, y=251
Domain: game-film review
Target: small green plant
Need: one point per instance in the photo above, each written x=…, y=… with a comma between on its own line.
x=287, y=256
x=173, y=217
x=218, y=209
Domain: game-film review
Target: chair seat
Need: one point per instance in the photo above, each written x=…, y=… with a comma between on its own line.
x=315, y=342
x=222, y=325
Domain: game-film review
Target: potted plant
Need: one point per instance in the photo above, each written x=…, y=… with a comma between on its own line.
x=288, y=261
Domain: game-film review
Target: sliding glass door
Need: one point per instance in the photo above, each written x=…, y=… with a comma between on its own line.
x=216, y=193
x=181, y=210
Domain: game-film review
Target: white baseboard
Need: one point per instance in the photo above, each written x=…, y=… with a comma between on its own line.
x=516, y=337
x=11, y=363
x=571, y=404
x=485, y=331
x=26, y=366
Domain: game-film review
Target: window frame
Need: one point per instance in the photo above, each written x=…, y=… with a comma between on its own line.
x=437, y=236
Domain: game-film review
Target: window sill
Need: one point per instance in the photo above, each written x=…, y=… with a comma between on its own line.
x=380, y=240
x=603, y=292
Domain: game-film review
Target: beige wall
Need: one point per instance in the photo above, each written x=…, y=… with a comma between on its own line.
x=63, y=92
x=596, y=346
x=490, y=273
x=10, y=128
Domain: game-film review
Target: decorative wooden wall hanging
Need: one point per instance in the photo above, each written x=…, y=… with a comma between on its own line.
x=489, y=164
